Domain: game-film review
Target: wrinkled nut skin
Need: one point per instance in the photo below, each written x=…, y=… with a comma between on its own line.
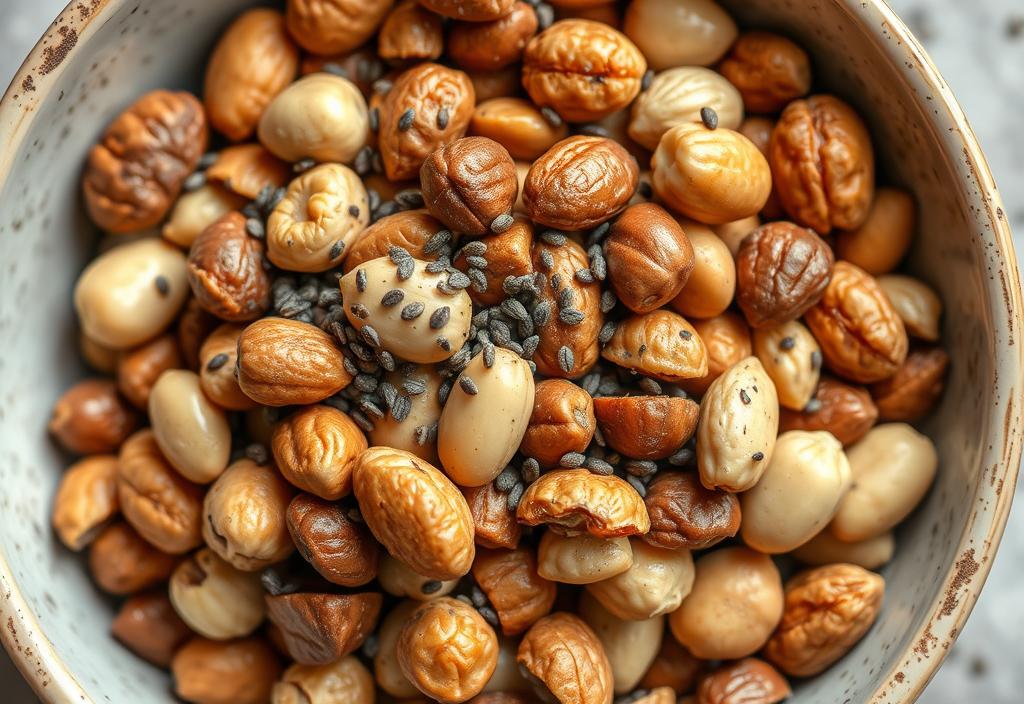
x=918, y=306
x=727, y=340
x=410, y=33
x=408, y=229
x=649, y=257
x=218, y=672
x=574, y=501
x=214, y=599
x=121, y=562
x=882, y=240
x=86, y=500
x=91, y=418
x=660, y=344
x=629, y=644
x=334, y=26
x=286, y=362
x=823, y=164
x=398, y=579
x=148, y=626
x=468, y=183
x=415, y=512
x=781, y=271
x=712, y=284
x=655, y=584
x=646, y=427
x=494, y=525
x=508, y=254
x=316, y=448
x=134, y=174
x=517, y=125
x=562, y=421
x=253, y=61
x=226, y=271
x=562, y=65
x=322, y=628
x=471, y=10
x=494, y=45
x=582, y=559
x=792, y=359
x=580, y=182
x=138, y=369
x=427, y=89
x=848, y=412
x=914, y=389
x=341, y=550
x=748, y=681
x=862, y=337
x=246, y=169
x=685, y=515
x=219, y=383
x=191, y=431
x=674, y=666
x=518, y=594
x=344, y=682
x=768, y=69
x=565, y=660
x=828, y=610
x=680, y=32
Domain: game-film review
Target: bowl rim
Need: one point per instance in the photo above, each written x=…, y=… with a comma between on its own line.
x=41, y=665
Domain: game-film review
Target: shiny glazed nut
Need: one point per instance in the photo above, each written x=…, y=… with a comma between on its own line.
x=562, y=421
x=679, y=32
x=253, y=61
x=713, y=176
x=646, y=427
x=574, y=501
x=86, y=500
x=677, y=96
x=341, y=550
x=727, y=340
x=582, y=559
x=192, y=432
x=334, y=26
x=915, y=388
x=686, y=515
x=494, y=84
x=131, y=293
x=196, y=210
x=214, y=599
x=861, y=335
x=319, y=629
x=843, y=410
x=517, y=125
x=892, y=466
x=135, y=172
x=878, y=245
x=320, y=116
x=734, y=606
x=507, y=254
x=582, y=69
x=412, y=434
x=316, y=449
x=733, y=233
x=660, y=344
x=217, y=369
x=823, y=164
x=916, y=303
x=749, y=681
x=494, y=524
x=398, y=579
x=566, y=661
x=244, y=516
x=792, y=359
x=386, y=669
x=233, y=672
x=712, y=283
x=471, y=10
x=655, y=584
x=828, y=610
x=227, y=272
x=408, y=229
x=246, y=169
x=673, y=667
x=410, y=32
x=147, y=625
x=122, y=563
x=90, y=418
x=518, y=594
x=769, y=70
x=494, y=45
x=580, y=182
x=346, y=681
x=630, y=645
x=826, y=549
x=415, y=512
x=98, y=357
x=322, y=213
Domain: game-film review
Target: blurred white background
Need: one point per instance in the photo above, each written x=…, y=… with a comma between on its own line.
x=979, y=47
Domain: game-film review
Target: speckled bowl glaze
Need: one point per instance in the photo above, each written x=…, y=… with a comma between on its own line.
x=99, y=55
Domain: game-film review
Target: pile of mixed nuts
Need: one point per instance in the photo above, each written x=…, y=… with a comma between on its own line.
x=434, y=341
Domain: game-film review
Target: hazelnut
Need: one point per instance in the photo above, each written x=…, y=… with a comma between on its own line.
x=138, y=369
x=340, y=549
x=122, y=563
x=214, y=599
x=684, y=514
x=565, y=660
x=646, y=427
x=346, y=681
x=516, y=124
x=518, y=594
x=247, y=169
x=915, y=388
x=147, y=625
x=494, y=525
x=86, y=500
x=91, y=418
x=678, y=96
x=217, y=369
x=493, y=45
x=507, y=254
x=410, y=33
x=655, y=584
x=562, y=421
x=232, y=672
x=316, y=448
x=321, y=628
x=226, y=271
x=768, y=69
x=328, y=27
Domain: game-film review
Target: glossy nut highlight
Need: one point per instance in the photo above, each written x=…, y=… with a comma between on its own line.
x=846, y=411
x=646, y=427
x=680, y=32
x=329, y=27
x=519, y=595
x=318, y=629
x=341, y=550
x=86, y=500
x=655, y=584
x=147, y=625
x=792, y=359
x=90, y=418
x=750, y=681
x=217, y=369
x=882, y=240
x=712, y=284
x=232, y=672
x=493, y=45
x=121, y=562
x=565, y=660
x=316, y=448
x=562, y=420
x=677, y=96
x=574, y=501
x=192, y=432
x=517, y=125
x=686, y=515
x=660, y=344
x=768, y=69
x=196, y=210
x=408, y=229
x=214, y=599
x=227, y=271
x=582, y=559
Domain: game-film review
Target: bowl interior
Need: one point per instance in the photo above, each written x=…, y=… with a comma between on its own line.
x=96, y=60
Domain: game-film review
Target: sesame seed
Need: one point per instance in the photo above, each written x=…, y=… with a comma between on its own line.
x=163, y=286
x=406, y=119
x=443, y=343
x=370, y=336
x=641, y=468
x=571, y=316
x=360, y=311
x=514, y=309
x=572, y=460
x=551, y=117
x=709, y=117
x=554, y=238
x=437, y=241
x=401, y=408
x=514, y=497
x=476, y=248
x=386, y=360
x=530, y=345
x=787, y=343
x=542, y=314
x=468, y=385
x=650, y=386
x=566, y=359
x=607, y=332
x=406, y=267
x=479, y=280
x=442, y=118
x=439, y=318
x=392, y=297
x=641, y=350
x=744, y=397
x=608, y=301
x=398, y=254
x=361, y=280
x=502, y=223
x=599, y=466
x=414, y=386
x=336, y=250
x=216, y=362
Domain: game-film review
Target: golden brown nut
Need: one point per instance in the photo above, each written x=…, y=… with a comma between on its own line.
x=410, y=33
x=828, y=610
x=226, y=271
x=646, y=427
x=334, y=26
x=660, y=344
x=846, y=411
x=217, y=369
x=573, y=501
x=136, y=171
x=122, y=563
x=246, y=169
x=517, y=125
x=823, y=164
x=321, y=628
x=341, y=550
x=408, y=229
x=562, y=421
x=674, y=666
x=748, y=681
x=507, y=254
x=918, y=306
x=582, y=69
x=316, y=449
x=680, y=32
x=494, y=525
x=566, y=661
x=494, y=45
x=147, y=625
x=684, y=514
x=214, y=599
x=346, y=681
x=91, y=418
x=712, y=283
x=878, y=245
x=733, y=233
x=727, y=340
x=86, y=500
x=769, y=70
x=679, y=95
x=232, y=672
x=518, y=594
x=915, y=388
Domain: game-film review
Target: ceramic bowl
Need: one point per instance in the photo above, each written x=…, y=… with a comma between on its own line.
x=99, y=55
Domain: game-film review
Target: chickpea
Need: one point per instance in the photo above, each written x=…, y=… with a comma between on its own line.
x=655, y=584
x=216, y=600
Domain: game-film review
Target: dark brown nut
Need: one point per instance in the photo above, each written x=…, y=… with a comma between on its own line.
x=564, y=659
x=518, y=594
x=86, y=500
x=768, y=69
x=135, y=173
x=226, y=271
x=747, y=681
x=649, y=257
x=122, y=563
x=517, y=125
x=759, y=131
x=494, y=84
x=340, y=549
x=158, y=502
x=239, y=671
x=684, y=514
x=646, y=427
x=253, y=61
x=321, y=628
x=828, y=609
x=495, y=526
x=217, y=369
x=428, y=106
x=138, y=369
x=712, y=283
x=882, y=240
x=471, y=10
x=582, y=69
x=194, y=325
x=91, y=418
x=196, y=210
x=562, y=421
x=914, y=389
x=822, y=164
x=410, y=33
x=494, y=45
x=674, y=666
x=781, y=271
x=409, y=229
x=469, y=183
x=334, y=26
x=316, y=449
x=508, y=254
x=579, y=183
x=285, y=362
x=726, y=338
x=565, y=349
x=246, y=169
x=660, y=344
x=148, y=626
x=862, y=337
x=574, y=501
x=846, y=411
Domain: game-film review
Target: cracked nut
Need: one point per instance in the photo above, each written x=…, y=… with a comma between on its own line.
x=660, y=344
x=147, y=625
x=121, y=562
x=678, y=96
x=493, y=45
x=918, y=306
x=227, y=272
x=563, y=659
x=214, y=599
x=246, y=169
x=341, y=550
x=748, y=681
x=726, y=338
x=629, y=644
x=685, y=515
x=792, y=359
x=516, y=124
x=346, y=681
x=494, y=524
x=519, y=595
x=846, y=411
x=192, y=432
x=646, y=427
x=562, y=421
x=319, y=629
x=655, y=584
x=91, y=418
x=769, y=70
x=225, y=672
x=582, y=559
x=86, y=500
x=914, y=389
x=316, y=448
x=574, y=501
x=328, y=27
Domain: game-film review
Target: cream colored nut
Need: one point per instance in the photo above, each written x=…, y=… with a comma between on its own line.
x=792, y=358
x=679, y=32
x=893, y=466
x=216, y=600
x=217, y=357
x=631, y=645
x=507, y=677
x=196, y=210
x=191, y=431
x=386, y=670
x=712, y=283
x=916, y=303
x=734, y=606
x=320, y=216
x=826, y=549
x=100, y=357
x=582, y=559
x=798, y=492
x=743, y=397
x=398, y=579
x=346, y=681
x=131, y=293
x=676, y=96
x=655, y=584
x=433, y=334
x=733, y=233
x=321, y=116
x=86, y=500
x=424, y=410
x=485, y=418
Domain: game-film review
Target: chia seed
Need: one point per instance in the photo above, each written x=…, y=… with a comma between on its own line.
x=392, y=297
x=502, y=223
x=566, y=359
x=787, y=343
x=468, y=385
x=412, y=311
x=163, y=286
x=439, y=318
x=572, y=460
x=337, y=249
x=551, y=117
x=406, y=119
x=709, y=117
x=442, y=118
x=744, y=397
x=361, y=280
